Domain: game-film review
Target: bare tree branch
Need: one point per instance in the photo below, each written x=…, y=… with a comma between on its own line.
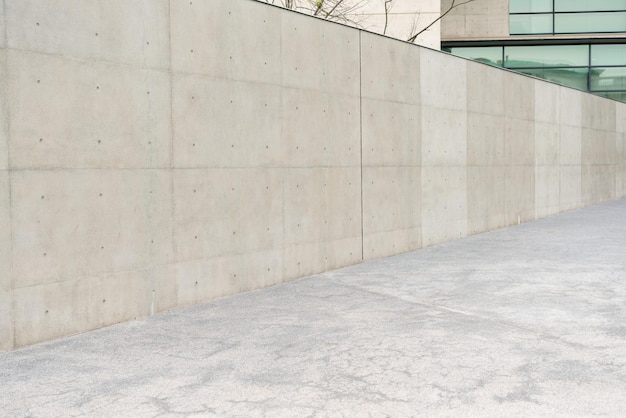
x=453, y=5
x=344, y=11
x=388, y=5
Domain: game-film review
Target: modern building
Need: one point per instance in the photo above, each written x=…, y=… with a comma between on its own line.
x=577, y=43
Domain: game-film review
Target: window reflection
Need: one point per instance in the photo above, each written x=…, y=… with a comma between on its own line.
x=608, y=54
x=491, y=55
x=530, y=24
x=590, y=22
x=587, y=5
x=571, y=77
x=599, y=68
x=611, y=78
x=530, y=6
x=527, y=17
x=546, y=56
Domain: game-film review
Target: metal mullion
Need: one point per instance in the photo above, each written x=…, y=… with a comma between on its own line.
x=553, y=17
x=589, y=69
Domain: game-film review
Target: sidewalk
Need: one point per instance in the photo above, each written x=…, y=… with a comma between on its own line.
x=529, y=320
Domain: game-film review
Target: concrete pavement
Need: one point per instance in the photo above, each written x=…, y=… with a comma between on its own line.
x=529, y=320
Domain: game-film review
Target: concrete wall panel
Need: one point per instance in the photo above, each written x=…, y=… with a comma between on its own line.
x=598, y=147
x=484, y=18
x=444, y=204
x=443, y=81
x=319, y=129
x=80, y=223
x=257, y=47
x=304, y=259
x=485, y=139
x=3, y=39
x=598, y=113
x=45, y=311
x=249, y=38
x=4, y=135
x=547, y=144
x=330, y=60
x=485, y=198
x=597, y=183
x=620, y=119
x=203, y=280
x=387, y=243
x=5, y=232
x=6, y=320
x=111, y=116
x=6, y=295
x=444, y=137
x=203, y=109
x=191, y=25
x=391, y=208
x=519, y=194
x=391, y=198
x=547, y=190
x=570, y=106
x=6, y=286
x=391, y=133
x=132, y=32
x=547, y=102
x=313, y=197
x=211, y=207
x=485, y=89
x=519, y=142
x=620, y=174
x=570, y=187
x=519, y=96
x=570, y=145
x=400, y=62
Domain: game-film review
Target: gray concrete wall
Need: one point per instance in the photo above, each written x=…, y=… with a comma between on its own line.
x=475, y=20
x=156, y=154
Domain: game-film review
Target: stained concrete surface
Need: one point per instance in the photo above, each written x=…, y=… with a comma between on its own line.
x=529, y=320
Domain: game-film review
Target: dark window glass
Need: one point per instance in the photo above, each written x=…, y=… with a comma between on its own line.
x=588, y=5
x=529, y=24
x=608, y=54
x=489, y=54
x=571, y=77
x=611, y=78
x=530, y=6
x=546, y=56
x=590, y=22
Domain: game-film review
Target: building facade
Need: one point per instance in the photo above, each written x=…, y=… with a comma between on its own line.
x=577, y=43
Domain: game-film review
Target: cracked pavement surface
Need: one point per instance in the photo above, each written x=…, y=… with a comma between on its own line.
x=528, y=320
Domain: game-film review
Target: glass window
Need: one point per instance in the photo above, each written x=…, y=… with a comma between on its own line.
x=546, y=56
x=608, y=54
x=612, y=78
x=529, y=24
x=588, y=5
x=571, y=77
x=615, y=95
x=589, y=22
x=530, y=6
x=488, y=54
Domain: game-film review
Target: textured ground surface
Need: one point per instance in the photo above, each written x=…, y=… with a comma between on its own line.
x=529, y=320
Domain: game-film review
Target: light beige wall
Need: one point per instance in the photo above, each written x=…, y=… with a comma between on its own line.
x=404, y=19
x=477, y=19
x=391, y=146
x=157, y=154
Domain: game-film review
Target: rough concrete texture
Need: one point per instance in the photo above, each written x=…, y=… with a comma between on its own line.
x=476, y=19
x=528, y=320
x=157, y=154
